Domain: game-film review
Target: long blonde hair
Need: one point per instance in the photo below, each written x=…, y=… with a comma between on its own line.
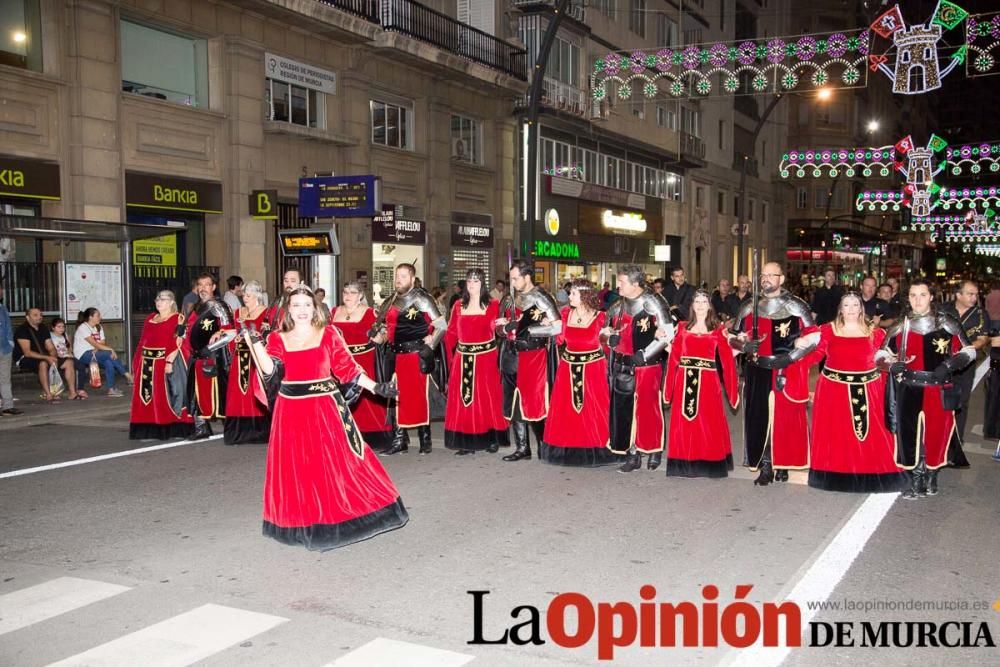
x=318, y=319
x=838, y=322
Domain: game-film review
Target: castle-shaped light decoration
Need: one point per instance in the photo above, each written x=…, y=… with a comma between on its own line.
x=914, y=52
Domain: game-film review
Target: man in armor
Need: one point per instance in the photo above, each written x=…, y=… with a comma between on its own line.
x=923, y=351
x=528, y=321
x=776, y=390
x=206, y=345
x=639, y=328
x=977, y=325
x=276, y=311
x=413, y=327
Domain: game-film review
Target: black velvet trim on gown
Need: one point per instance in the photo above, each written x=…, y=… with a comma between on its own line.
x=475, y=442
x=247, y=430
x=577, y=456
x=159, y=431
x=699, y=468
x=326, y=536
x=858, y=482
x=956, y=453
x=377, y=439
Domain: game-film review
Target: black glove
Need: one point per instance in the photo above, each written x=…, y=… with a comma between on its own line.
x=639, y=357
x=751, y=347
x=897, y=368
x=510, y=326
x=942, y=373
x=251, y=331
x=613, y=340
x=386, y=389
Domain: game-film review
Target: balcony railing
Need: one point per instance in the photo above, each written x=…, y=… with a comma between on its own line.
x=692, y=145
x=575, y=10
x=428, y=25
x=563, y=96
x=366, y=9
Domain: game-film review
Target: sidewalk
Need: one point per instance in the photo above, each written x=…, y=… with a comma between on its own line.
x=27, y=397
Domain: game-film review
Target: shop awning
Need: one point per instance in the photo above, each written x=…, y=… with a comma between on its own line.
x=65, y=229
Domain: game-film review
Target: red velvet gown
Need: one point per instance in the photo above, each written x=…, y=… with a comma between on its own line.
x=152, y=417
x=851, y=449
x=700, y=365
x=577, y=430
x=247, y=420
x=324, y=487
x=370, y=410
x=473, y=418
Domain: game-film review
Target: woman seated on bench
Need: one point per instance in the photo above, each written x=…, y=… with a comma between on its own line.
x=89, y=344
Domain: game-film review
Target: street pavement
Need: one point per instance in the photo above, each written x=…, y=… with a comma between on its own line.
x=156, y=557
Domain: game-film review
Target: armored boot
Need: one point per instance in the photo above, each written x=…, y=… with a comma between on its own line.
x=424, y=434
x=400, y=443
x=916, y=488
x=932, y=482
x=654, y=460
x=522, y=449
x=632, y=462
x=202, y=429
x=766, y=475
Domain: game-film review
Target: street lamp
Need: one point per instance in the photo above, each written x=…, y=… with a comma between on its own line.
x=872, y=126
x=823, y=94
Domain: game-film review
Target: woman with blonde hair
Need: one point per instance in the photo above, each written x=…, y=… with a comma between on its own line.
x=850, y=447
x=247, y=420
x=159, y=351
x=354, y=319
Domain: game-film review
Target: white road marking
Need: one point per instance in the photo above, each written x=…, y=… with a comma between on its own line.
x=27, y=606
x=178, y=641
x=105, y=457
x=392, y=653
x=823, y=575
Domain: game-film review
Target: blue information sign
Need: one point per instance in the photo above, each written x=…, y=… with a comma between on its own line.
x=339, y=196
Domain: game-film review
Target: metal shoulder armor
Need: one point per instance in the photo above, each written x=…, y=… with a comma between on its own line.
x=425, y=303
x=656, y=305
x=947, y=322
x=799, y=308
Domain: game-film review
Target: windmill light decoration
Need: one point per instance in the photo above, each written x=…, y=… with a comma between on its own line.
x=919, y=165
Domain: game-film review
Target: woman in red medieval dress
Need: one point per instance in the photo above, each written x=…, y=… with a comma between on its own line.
x=152, y=416
x=354, y=319
x=701, y=363
x=576, y=431
x=323, y=488
x=850, y=447
x=473, y=418
x=247, y=420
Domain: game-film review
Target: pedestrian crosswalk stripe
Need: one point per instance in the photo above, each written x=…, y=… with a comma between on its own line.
x=178, y=641
x=392, y=653
x=27, y=606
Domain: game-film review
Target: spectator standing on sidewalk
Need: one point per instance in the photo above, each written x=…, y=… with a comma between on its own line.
x=6, y=360
x=190, y=299
x=233, y=295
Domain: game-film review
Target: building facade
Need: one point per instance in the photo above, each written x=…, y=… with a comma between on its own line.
x=174, y=111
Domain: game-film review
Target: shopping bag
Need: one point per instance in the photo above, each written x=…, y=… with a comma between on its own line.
x=56, y=385
x=95, y=373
